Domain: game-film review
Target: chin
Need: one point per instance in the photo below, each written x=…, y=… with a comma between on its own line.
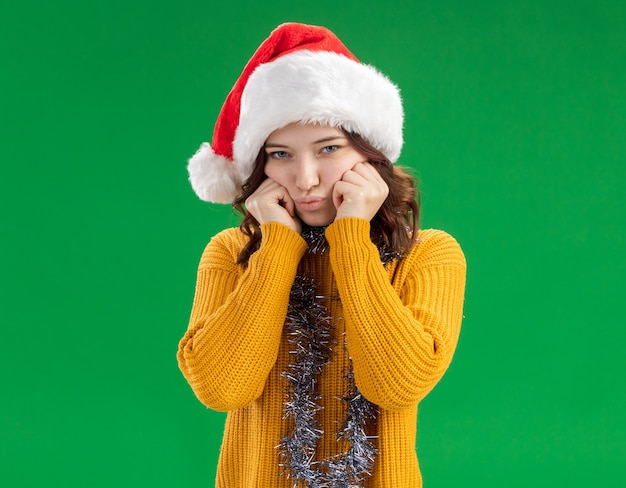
x=317, y=220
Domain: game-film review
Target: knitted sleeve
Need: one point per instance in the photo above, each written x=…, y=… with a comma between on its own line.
x=237, y=317
x=401, y=336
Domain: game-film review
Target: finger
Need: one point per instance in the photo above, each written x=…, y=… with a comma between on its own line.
x=271, y=192
x=265, y=184
x=367, y=171
x=289, y=204
x=338, y=190
x=352, y=177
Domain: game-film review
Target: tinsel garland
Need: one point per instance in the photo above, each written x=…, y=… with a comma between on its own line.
x=310, y=328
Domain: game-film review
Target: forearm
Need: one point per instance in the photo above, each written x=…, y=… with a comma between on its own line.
x=401, y=340
x=236, y=322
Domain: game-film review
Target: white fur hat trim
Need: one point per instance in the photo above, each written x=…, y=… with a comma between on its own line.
x=318, y=87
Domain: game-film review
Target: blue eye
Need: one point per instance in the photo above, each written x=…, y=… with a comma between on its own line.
x=279, y=154
x=329, y=149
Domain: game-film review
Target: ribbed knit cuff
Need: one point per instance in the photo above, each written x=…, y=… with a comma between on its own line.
x=350, y=235
x=284, y=242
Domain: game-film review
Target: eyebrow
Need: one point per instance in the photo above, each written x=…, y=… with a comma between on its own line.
x=319, y=141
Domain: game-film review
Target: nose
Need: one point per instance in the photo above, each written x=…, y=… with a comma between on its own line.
x=307, y=173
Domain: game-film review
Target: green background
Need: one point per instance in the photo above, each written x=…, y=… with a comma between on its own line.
x=515, y=125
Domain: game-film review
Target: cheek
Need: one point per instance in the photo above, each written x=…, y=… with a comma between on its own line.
x=335, y=172
x=271, y=171
x=332, y=177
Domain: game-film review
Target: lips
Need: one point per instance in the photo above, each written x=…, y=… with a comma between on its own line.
x=309, y=203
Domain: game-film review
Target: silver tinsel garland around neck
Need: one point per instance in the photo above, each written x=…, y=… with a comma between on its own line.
x=310, y=331
x=316, y=240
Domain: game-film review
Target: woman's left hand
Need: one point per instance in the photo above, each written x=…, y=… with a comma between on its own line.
x=360, y=192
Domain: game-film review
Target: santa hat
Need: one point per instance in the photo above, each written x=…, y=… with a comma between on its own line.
x=300, y=73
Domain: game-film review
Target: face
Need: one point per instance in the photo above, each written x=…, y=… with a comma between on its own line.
x=308, y=159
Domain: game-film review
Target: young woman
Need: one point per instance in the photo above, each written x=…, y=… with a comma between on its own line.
x=322, y=321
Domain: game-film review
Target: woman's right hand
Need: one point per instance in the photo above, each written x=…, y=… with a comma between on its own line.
x=272, y=203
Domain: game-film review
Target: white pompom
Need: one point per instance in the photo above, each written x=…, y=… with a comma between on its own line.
x=214, y=178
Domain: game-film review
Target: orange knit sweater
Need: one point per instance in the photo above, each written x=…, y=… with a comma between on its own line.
x=401, y=324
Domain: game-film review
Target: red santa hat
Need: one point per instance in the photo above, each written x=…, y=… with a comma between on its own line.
x=300, y=73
